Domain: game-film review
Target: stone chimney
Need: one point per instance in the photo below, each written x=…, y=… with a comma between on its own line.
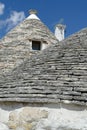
x=59, y=31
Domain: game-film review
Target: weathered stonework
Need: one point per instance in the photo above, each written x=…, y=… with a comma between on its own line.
x=16, y=46
x=56, y=74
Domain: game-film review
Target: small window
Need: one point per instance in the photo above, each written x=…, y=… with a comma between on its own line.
x=36, y=45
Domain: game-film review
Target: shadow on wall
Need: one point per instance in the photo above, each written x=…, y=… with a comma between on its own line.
x=10, y=106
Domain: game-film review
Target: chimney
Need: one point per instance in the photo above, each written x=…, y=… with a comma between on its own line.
x=59, y=31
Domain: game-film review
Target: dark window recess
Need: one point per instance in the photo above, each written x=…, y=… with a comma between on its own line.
x=36, y=45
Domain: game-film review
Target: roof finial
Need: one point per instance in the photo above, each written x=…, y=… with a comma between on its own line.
x=33, y=15
x=32, y=11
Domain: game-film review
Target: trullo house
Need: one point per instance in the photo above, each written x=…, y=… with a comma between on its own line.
x=43, y=78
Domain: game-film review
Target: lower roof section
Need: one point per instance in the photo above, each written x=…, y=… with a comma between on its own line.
x=57, y=74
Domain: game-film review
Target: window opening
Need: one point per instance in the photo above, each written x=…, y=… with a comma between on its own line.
x=36, y=45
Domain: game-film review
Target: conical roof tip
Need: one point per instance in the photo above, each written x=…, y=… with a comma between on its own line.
x=32, y=11
x=33, y=14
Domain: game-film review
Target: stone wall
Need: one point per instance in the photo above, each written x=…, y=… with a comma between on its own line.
x=43, y=117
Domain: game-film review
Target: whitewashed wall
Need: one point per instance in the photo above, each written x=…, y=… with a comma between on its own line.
x=43, y=117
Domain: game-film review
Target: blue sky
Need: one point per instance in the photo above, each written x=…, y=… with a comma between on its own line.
x=72, y=12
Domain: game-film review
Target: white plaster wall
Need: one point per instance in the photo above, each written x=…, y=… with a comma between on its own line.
x=6, y=108
x=59, y=33
x=60, y=116
x=43, y=45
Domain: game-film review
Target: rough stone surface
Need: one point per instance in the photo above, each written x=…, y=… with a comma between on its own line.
x=57, y=74
x=16, y=46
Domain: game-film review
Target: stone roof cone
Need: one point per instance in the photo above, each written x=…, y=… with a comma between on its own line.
x=16, y=43
x=31, y=27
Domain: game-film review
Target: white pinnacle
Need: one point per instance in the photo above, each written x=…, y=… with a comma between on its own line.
x=33, y=15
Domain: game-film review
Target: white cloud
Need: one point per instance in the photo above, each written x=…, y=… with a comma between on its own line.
x=14, y=19
x=2, y=6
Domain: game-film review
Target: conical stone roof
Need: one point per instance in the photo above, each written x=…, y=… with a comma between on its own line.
x=31, y=28
x=15, y=46
x=58, y=74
